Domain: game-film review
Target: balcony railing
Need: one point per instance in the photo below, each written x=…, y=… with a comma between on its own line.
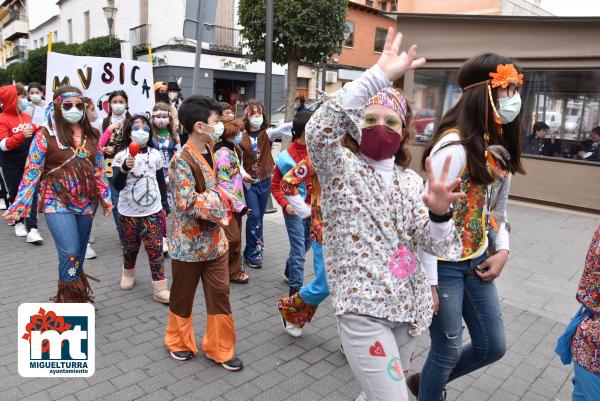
x=226, y=40
x=16, y=15
x=139, y=37
x=15, y=25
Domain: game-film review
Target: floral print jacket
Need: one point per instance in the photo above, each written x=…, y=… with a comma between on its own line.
x=227, y=164
x=586, y=342
x=201, y=209
x=369, y=226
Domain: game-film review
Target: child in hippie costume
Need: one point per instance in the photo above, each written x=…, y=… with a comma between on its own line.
x=166, y=141
x=375, y=219
x=143, y=202
x=485, y=151
x=199, y=247
x=228, y=166
x=298, y=309
x=66, y=158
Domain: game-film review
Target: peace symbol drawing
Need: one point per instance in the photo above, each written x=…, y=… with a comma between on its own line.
x=403, y=263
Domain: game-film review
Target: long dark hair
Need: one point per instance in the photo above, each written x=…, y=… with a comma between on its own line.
x=64, y=129
x=113, y=95
x=468, y=116
x=126, y=139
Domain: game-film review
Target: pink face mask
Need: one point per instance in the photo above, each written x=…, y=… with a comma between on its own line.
x=380, y=142
x=161, y=122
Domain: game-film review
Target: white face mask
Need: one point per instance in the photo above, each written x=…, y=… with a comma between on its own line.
x=140, y=137
x=256, y=122
x=218, y=130
x=118, y=108
x=73, y=115
x=173, y=95
x=36, y=99
x=509, y=109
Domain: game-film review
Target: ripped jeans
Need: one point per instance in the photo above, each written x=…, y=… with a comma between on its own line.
x=462, y=296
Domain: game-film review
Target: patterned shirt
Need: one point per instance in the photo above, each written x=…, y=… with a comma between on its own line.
x=371, y=229
x=34, y=169
x=201, y=208
x=227, y=164
x=290, y=184
x=586, y=342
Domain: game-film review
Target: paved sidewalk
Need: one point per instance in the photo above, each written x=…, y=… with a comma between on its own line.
x=537, y=290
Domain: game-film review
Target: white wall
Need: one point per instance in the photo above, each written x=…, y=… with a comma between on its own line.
x=166, y=20
x=41, y=33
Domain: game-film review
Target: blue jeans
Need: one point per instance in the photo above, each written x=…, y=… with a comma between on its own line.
x=256, y=200
x=462, y=296
x=71, y=233
x=317, y=290
x=586, y=384
x=298, y=230
x=114, y=197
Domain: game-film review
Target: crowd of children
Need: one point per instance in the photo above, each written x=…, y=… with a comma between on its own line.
x=384, y=242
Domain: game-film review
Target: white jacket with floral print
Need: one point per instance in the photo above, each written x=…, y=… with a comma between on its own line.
x=366, y=221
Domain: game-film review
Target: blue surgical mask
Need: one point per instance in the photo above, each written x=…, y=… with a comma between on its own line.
x=509, y=109
x=237, y=139
x=23, y=104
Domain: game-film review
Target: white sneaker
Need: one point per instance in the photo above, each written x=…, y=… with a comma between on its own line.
x=2, y=204
x=34, y=237
x=91, y=240
x=89, y=252
x=20, y=230
x=292, y=329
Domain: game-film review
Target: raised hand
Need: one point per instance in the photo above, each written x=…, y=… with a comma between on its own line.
x=440, y=196
x=395, y=63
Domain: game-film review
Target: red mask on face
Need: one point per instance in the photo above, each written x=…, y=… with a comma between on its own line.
x=380, y=142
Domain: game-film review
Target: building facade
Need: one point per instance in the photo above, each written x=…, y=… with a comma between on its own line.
x=15, y=32
x=158, y=25
x=561, y=63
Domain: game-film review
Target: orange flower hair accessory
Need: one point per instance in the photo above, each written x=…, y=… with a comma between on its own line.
x=505, y=74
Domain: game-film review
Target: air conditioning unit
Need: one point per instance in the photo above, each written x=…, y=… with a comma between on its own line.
x=331, y=77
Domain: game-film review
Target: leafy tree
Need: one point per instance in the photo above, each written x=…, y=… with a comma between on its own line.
x=100, y=47
x=4, y=77
x=37, y=60
x=18, y=72
x=304, y=31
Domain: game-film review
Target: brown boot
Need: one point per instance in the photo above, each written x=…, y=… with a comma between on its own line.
x=413, y=382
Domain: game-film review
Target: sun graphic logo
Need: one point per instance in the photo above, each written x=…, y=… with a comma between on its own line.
x=56, y=340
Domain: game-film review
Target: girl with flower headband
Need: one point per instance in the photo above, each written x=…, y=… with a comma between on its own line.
x=66, y=157
x=482, y=135
x=257, y=169
x=375, y=220
x=166, y=140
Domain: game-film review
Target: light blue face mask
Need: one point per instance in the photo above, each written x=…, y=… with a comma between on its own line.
x=237, y=139
x=509, y=109
x=23, y=104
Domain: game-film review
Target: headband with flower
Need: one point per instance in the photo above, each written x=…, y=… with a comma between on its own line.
x=505, y=75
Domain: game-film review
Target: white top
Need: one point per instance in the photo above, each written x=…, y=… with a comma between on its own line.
x=141, y=195
x=458, y=163
x=37, y=113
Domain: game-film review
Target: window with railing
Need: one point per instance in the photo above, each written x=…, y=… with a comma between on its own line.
x=394, y=6
x=139, y=37
x=226, y=39
x=16, y=14
x=369, y=3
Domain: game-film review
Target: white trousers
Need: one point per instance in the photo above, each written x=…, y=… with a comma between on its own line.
x=378, y=352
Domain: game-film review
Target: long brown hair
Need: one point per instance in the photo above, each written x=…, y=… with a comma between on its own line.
x=162, y=106
x=403, y=156
x=252, y=105
x=468, y=116
x=64, y=129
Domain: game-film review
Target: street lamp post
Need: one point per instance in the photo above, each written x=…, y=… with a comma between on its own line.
x=109, y=13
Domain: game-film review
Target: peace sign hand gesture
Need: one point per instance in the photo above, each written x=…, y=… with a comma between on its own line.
x=395, y=63
x=440, y=196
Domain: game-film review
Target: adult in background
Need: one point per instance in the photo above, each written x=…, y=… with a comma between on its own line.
x=299, y=104
x=174, y=93
x=537, y=144
x=592, y=152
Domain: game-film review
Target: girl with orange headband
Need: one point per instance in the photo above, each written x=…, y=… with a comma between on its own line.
x=481, y=134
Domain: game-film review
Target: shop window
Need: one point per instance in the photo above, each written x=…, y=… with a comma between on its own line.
x=566, y=107
x=380, y=34
x=435, y=92
x=350, y=30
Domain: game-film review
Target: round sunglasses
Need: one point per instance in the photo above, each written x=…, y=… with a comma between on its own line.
x=137, y=127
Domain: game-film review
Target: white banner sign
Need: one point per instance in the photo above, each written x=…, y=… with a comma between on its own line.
x=97, y=77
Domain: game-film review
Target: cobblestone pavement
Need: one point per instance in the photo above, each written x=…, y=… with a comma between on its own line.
x=537, y=290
